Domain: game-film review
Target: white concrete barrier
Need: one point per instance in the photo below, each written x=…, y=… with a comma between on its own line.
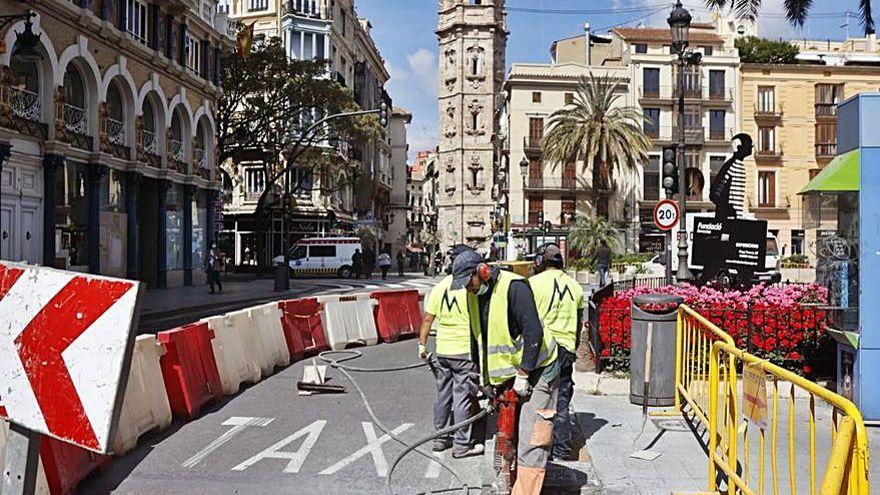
x=145, y=406
x=267, y=320
x=251, y=341
x=236, y=359
x=349, y=320
x=42, y=484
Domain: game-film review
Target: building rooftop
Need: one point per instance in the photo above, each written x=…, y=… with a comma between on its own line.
x=658, y=35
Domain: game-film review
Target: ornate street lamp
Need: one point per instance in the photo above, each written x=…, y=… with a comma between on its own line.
x=524, y=170
x=680, y=22
x=26, y=42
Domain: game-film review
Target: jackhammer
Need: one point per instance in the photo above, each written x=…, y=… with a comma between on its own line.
x=506, y=403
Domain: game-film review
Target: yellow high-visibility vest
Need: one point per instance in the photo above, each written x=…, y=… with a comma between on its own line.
x=450, y=311
x=558, y=298
x=504, y=354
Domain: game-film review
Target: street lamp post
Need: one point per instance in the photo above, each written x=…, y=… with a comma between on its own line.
x=5, y=153
x=680, y=22
x=524, y=171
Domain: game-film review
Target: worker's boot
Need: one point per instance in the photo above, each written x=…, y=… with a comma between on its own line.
x=441, y=444
x=475, y=450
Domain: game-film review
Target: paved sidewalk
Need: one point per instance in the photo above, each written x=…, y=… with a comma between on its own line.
x=177, y=298
x=610, y=424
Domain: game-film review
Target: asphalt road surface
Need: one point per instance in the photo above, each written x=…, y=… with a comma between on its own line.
x=270, y=440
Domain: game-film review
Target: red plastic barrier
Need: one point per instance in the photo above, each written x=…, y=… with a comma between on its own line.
x=66, y=465
x=303, y=328
x=398, y=314
x=189, y=370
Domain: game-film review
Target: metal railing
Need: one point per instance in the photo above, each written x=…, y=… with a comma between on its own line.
x=149, y=143
x=200, y=159
x=826, y=149
x=176, y=149
x=25, y=104
x=115, y=131
x=707, y=369
x=555, y=183
x=75, y=119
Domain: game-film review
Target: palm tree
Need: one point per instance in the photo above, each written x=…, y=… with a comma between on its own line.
x=607, y=137
x=588, y=233
x=795, y=10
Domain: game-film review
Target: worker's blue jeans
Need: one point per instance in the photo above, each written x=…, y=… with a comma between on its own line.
x=562, y=420
x=603, y=271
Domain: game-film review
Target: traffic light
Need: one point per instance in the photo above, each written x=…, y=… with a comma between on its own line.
x=670, y=170
x=383, y=114
x=540, y=218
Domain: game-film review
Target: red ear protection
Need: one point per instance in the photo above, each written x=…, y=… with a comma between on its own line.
x=483, y=272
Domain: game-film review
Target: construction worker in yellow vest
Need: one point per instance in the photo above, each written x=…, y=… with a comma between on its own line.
x=456, y=372
x=513, y=350
x=560, y=302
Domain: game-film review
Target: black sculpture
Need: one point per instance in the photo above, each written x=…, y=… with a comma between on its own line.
x=720, y=191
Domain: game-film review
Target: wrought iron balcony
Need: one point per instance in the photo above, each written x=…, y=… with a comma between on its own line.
x=200, y=159
x=826, y=150
x=115, y=132
x=768, y=113
x=768, y=154
x=176, y=150
x=75, y=120
x=25, y=104
x=532, y=146
x=148, y=143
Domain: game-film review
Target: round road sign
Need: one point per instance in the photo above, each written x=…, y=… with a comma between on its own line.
x=666, y=214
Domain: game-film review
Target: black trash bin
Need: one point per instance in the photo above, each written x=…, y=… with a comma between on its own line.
x=282, y=278
x=661, y=310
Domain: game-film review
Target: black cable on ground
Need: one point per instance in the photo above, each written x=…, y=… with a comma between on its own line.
x=352, y=354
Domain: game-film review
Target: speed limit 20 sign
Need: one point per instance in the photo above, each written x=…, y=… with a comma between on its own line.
x=666, y=214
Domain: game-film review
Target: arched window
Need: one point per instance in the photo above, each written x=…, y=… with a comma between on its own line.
x=75, y=119
x=175, y=146
x=115, y=115
x=24, y=97
x=200, y=156
x=149, y=142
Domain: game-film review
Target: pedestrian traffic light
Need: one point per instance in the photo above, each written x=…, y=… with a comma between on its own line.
x=670, y=170
x=383, y=114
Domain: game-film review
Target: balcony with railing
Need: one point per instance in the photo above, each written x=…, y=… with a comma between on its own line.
x=76, y=126
x=175, y=156
x=720, y=135
x=769, y=154
x=826, y=111
x=826, y=151
x=532, y=146
x=769, y=114
x=200, y=160
x=115, y=135
x=25, y=104
x=304, y=8
x=148, y=148
x=694, y=135
x=537, y=183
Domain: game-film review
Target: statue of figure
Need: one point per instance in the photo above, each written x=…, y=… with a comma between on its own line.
x=728, y=190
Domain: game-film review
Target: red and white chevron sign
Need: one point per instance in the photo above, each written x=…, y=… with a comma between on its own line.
x=65, y=348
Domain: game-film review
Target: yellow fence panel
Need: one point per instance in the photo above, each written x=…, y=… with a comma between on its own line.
x=750, y=409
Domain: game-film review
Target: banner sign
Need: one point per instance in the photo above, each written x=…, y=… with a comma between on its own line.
x=730, y=244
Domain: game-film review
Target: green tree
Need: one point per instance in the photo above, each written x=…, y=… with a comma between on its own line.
x=265, y=115
x=608, y=137
x=587, y=234
x=795, y=10
x=754, y=50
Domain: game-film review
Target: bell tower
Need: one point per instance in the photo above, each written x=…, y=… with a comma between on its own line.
x=472, y=37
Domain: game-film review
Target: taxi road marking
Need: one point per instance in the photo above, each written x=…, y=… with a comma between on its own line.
x=238, y=425
x=296, y=458
x=373, y=447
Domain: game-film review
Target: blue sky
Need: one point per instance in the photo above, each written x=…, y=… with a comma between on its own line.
x=404, y=32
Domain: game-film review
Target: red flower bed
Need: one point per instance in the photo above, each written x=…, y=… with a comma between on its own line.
x=785, y=325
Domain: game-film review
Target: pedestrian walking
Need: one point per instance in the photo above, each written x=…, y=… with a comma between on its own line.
x=603, y=261
x=212, y=268
x=384, y=264
x=357, y=263
x=456, y=372
x=514, y=352
x=560, y=302
x=400, y=261
x=493, y=252
x=369, y=262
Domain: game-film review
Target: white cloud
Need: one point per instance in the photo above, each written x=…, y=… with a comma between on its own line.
x=423, y=64
x=415, y=88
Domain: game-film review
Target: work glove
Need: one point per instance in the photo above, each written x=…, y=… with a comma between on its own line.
x=521, y=385
x=423, y=352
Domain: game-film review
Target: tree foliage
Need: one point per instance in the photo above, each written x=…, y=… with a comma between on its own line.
x=754, y=50
x=608, y=137
x=795, y=10
x=266, y=112
x=587, y=234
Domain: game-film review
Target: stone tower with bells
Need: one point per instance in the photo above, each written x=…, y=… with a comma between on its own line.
x=473, y=38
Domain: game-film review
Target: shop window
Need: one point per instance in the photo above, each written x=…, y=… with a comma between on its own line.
x=174, y=227
x=72, y=216
x=199, y=228
x=114, y=223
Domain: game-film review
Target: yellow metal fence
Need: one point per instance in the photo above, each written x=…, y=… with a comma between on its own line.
x=743, y=401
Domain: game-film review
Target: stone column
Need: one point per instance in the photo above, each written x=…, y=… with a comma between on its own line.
x=133, y=184
x=51, y=164
x=161, y=248
x=96, y=173
x=187, y=235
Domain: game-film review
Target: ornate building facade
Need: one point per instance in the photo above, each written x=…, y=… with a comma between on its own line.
x=473, y=39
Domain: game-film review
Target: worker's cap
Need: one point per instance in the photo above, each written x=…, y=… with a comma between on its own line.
x=463, y=267
x=551, y=252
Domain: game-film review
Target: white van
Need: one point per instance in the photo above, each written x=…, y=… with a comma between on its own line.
x=322, y=256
